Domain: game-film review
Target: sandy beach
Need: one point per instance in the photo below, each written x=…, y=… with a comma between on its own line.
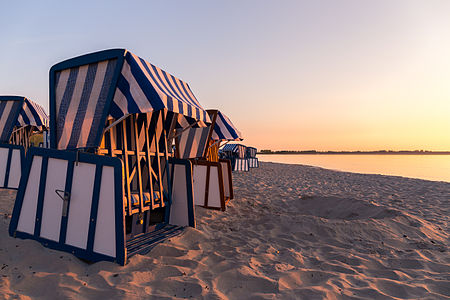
x=292, y=232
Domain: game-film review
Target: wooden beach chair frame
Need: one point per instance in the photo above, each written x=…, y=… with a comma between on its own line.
x=15, y=142
x=251, y=156
x=213, y=184
x=237, y=154
x=138, y=145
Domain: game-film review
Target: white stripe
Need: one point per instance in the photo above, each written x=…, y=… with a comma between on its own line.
x=178, y=90
x=21, y=121
x=136, y=92
x=29, y=114
x=195, y=142
x=179, y=83
x=162, y=94
x=190, y=93
x=73, y=107
x=61, y=87
x=171, y=91
x=92, y=104
x=5, y=115
x=121, y=101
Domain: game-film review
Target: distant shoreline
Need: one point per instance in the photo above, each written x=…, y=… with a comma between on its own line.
x=358, y=152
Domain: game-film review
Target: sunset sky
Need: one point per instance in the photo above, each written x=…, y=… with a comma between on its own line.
x=295, y=75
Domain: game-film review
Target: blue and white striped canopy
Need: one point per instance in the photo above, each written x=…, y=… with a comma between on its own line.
x=19, y=111
x=143, y=87
x=224, y=130
x=32, y=114
x=81, y=92
x=235, y=148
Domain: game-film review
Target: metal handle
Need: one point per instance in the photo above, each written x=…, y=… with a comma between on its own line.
x=65, y=197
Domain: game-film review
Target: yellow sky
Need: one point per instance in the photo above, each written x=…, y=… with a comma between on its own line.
x=295, y=75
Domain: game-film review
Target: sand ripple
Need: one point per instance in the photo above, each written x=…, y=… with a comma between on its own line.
x=293, y=232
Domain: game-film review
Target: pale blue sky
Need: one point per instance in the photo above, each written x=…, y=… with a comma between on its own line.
x=326, y=75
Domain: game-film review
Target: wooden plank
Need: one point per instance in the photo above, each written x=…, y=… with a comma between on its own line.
x=125, y=162
x=138, y=164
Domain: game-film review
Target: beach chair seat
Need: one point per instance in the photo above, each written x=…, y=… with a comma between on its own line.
x=147, y=199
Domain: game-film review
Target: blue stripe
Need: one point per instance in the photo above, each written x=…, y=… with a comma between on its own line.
x=82, y=107
x=65, y=102
x=96, y=126
x=35, y=114
x=176, y=89
x=187, y=98
x=155, y=70
x=57, y=75
x=228, y=126
x=2, y=108
x=141, y=79
x=11, y=121
x=41, y=116
x=6, y=127
x=218, y=132
x=180, y=107
x=189, y=111
x=171, y=98
x=124, y=87
x=187, y=93
x=115, y=111
x=24, y=117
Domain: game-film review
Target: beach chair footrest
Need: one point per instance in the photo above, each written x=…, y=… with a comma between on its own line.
x=145, y=242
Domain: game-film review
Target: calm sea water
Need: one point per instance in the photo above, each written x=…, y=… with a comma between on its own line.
x=431, y=167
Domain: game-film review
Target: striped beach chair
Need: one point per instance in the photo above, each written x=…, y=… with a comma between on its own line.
x=20, y=119
x=110, y=187
x=237, y=153
x=213, y=186
x=251, y=156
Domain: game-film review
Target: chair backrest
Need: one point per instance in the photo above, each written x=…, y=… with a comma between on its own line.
x=80, y=94
x=234, y=150
x=88, y=90
x=10, y=107
x=251, y=152
x=192, y=142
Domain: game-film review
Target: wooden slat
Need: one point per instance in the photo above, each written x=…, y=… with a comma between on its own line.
x=138, y=164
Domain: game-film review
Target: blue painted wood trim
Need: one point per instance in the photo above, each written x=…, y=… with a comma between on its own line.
x=94, y=208
x=78, y=252
x=68, y=189
x=118, y=54
x=11, y=148
x=82, y=157
x=8, y=167
x=26, y=165
x=121, y=255
x=40, y=201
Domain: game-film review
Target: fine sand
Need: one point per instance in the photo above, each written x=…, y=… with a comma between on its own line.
x=292, y=232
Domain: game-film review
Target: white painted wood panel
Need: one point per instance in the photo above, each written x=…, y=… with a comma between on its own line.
x=80, y=205
x=105, y=229
x=52, y=209
x=214, y=188
x=226, y=182
x=15, y=169
x=179, y=208
x=27, y=215
x=199, y=182
x=3, y=162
